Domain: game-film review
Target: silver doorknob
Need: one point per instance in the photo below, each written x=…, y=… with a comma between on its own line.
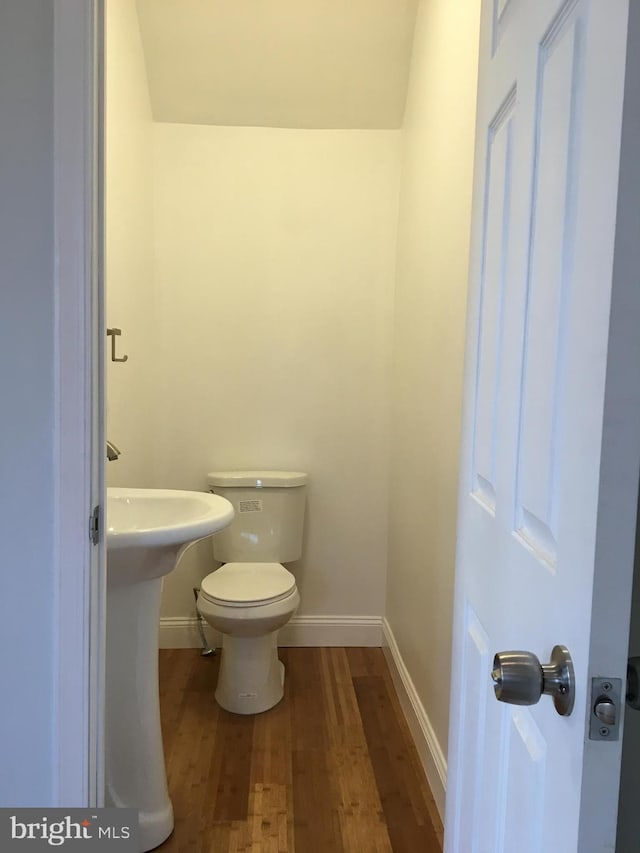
x=520, y=679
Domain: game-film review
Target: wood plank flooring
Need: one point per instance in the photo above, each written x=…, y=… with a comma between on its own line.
x=330, y=769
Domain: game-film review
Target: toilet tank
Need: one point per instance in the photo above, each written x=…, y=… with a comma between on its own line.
x=269, y=515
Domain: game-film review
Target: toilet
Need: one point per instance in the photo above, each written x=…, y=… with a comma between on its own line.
x=251, y=596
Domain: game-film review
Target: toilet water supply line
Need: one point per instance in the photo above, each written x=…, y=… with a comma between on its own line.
x=206, y=648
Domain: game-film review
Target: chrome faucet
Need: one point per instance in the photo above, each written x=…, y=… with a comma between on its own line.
x=112, y=451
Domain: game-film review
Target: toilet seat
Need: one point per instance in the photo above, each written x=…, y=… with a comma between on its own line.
x=247, y=584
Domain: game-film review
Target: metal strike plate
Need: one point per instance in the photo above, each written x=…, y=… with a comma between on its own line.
x=606, y=708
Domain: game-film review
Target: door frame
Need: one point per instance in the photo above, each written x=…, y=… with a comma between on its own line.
x=620, y=457
x=79, y=566
x=79, y=366
x=619, y=469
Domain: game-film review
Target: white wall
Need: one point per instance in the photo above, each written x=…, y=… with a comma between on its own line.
x=285, y=63
x=274, y=270
x=435, y=207
x=27, y=428
x=274, y=264
x=274, y=255
x=128, y=247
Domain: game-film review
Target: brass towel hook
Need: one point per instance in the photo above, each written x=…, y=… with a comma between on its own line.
x=113, y=333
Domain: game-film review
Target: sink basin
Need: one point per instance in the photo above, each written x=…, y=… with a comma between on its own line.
x=147, y=532
x=148, y=529
x=151, y=517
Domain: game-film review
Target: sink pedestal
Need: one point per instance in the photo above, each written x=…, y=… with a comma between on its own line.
x=147, y=531
x=135, y=770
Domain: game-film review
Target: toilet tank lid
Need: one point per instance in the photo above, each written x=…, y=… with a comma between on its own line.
x=257, y=479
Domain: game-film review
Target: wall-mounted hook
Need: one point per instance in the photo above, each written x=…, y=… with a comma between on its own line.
x=113, y=333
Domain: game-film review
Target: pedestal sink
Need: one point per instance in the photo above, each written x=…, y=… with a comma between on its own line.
x=147, y=532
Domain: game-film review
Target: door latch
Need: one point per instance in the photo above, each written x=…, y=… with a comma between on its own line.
x=94, y=525
x=604, y=720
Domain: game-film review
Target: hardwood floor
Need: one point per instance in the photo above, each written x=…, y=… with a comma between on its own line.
x=331, y=769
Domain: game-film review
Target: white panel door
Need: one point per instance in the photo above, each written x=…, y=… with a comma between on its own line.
x=538, y=495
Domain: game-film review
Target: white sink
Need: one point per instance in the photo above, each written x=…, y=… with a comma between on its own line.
x=147, y=532
x=150, y=517
x=149, y=529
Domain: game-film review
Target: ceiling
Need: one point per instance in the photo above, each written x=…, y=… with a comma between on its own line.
x=278, y=63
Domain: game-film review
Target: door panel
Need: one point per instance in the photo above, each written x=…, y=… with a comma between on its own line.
x=550, y=251
x=492, y=285
x=524, y=796
x=476, y=663
x=541, y=277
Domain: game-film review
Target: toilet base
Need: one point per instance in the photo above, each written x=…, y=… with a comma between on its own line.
x=251, y=678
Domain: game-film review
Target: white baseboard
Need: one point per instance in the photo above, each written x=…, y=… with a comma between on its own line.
x=182, y=632
x=429, y=750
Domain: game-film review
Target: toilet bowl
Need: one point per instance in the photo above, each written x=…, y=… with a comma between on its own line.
x=251, y=678
x=252, y=595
